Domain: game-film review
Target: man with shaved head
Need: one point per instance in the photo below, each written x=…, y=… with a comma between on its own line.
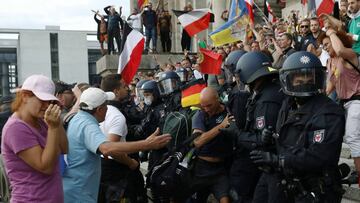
x=213, y=148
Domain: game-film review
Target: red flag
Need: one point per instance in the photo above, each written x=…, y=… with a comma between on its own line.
x=210, y=62
x=324, y=6
x=130, y=53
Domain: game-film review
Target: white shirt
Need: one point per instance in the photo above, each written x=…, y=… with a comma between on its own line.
x=135, y=20
x=197, y=74
x=324, y=57
x=114, y=123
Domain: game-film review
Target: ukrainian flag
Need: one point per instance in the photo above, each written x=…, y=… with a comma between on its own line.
x=234, y=29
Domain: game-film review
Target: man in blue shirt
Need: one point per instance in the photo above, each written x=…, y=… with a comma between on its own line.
x=86, y=142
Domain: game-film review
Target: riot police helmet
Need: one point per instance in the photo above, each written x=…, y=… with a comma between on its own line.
x=302, y=75
x=232, y=59
x=151, y=87
x=254, y=65
x=168, y=83
x=138, y=90
x=183, y=74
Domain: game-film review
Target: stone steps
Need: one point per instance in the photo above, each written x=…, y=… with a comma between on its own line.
x=352, y=193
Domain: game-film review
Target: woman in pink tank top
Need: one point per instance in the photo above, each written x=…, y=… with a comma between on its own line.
x=344, y=77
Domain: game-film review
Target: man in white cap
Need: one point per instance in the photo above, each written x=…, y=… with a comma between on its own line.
x=86, y=142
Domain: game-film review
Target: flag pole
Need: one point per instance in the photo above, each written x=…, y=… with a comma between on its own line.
x=266, y=20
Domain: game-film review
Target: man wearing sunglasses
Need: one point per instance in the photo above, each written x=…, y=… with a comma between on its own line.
x=305, y=35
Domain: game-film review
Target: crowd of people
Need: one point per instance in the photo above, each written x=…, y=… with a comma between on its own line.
x=156, y=23
x=269, y=128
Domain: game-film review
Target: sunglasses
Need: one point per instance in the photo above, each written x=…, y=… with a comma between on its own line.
x=304, y=26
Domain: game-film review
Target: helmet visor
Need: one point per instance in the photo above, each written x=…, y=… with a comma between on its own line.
x=182, y=75
x=303, y=82
x=139, y=93
x=168, y=86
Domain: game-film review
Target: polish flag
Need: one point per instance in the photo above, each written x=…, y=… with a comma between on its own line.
x=194, y=21
x=131, y=50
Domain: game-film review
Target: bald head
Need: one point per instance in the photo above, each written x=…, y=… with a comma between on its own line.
x=209, y=93
x=209, y=100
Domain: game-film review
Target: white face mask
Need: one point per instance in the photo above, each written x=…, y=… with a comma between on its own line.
x=148, y=100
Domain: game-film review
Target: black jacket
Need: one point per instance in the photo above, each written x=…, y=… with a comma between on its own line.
x=310, y=137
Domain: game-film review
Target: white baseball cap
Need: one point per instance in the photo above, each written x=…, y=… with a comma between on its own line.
x=94, y=97
x=42, y=87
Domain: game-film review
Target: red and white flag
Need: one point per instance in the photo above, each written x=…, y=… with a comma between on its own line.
x=131, y=50
x=249, y=6
x=269, y=12
x=321, y=6
x=194, y=21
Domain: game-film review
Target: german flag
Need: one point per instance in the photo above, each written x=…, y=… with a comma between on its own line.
x=190, y=94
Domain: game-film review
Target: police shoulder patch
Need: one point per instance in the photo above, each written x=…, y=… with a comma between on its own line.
x=319, y=136
x=260, y=122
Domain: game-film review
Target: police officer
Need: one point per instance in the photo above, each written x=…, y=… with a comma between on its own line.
x=310, y=129
x=184, y=75
x=154, y=111
x=138, y=93
x=238, y=96
x=169, y=88
x=261, y=113
x=154, y=108
x=230, y=65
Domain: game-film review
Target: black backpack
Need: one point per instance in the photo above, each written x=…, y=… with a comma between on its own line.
x=171, y=176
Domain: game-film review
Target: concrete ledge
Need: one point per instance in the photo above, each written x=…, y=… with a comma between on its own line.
x=109, y=63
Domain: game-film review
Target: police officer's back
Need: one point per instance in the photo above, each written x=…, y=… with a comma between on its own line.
x=310, y=128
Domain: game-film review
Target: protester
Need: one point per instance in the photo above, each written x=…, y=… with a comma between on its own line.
x=344, y=77
x=87, y=142
x=135, y=20
x=101, y=32
x=33, y=139
x=150, y=22
x=114, y=20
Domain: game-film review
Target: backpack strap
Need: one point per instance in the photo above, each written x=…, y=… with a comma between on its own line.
x=68, y=119
x=355, y=67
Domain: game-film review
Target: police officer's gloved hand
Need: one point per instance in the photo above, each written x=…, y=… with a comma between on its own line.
x=266, y=158
x=267, y=136
x=232, y=130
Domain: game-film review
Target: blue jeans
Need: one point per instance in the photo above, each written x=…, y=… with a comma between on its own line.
x=150, y=34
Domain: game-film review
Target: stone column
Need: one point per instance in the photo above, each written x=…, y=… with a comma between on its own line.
x=218, y=6
x=5, y=79
x=133, y=4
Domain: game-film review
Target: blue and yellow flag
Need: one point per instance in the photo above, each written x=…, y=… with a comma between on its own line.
x=235, y=29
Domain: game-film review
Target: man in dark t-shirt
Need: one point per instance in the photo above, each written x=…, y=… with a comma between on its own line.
x=213, y=148
x=164, y=29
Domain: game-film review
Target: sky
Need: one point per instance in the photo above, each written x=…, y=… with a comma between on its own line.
x=68, y=14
